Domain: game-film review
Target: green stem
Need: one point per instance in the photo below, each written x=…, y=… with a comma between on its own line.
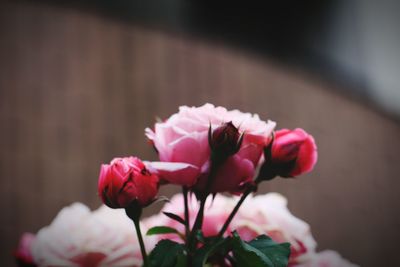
x=200, y=214
x=187, y=222
x=141, y=242
x=215, y=163
x=197, y=224
x=234, y=211
x=192, y=242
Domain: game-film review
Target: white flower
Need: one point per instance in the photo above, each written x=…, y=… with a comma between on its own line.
x=79, y=237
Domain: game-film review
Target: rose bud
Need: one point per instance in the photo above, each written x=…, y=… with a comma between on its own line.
x=225, y=140
x=292, y=152
x=125, y=181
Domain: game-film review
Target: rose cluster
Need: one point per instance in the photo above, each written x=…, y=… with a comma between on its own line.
x=206, y=151
x=209, y=149
x=78, y=237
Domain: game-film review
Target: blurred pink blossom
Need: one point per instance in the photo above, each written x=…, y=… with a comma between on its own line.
x=262, y=214
x=79, y=237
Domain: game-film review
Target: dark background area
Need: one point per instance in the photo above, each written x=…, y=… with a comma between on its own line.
x=79, y=82
x=352, y=43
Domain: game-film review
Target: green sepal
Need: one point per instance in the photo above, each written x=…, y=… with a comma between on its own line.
x=134, y=211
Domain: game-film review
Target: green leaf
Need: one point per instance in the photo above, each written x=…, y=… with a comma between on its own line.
x=168, y=253
x=175, y=217
x=246, y=255
x=157, y=230
x=207, y=250
x=277, y=253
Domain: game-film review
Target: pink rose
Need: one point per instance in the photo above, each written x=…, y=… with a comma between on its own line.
x=263, y=214
x=23, y=254
x=327, y=258
x=79, y=237
x=293, y=152
x=183, y=139
x=268, y=214
x=126, y=180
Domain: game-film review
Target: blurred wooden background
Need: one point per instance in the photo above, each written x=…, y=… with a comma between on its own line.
x=77, y=89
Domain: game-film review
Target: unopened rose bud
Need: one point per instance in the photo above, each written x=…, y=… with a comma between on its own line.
x=125, y=181
x=225, y=140
x=292, y=152
x=295, y=152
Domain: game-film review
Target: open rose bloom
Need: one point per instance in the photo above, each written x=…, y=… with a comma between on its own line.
x=104, y=237
x=79, y=237
x=263, y=214
x=206, y=151
x=182, y=144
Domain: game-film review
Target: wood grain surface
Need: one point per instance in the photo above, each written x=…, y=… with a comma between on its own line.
x=77, y=89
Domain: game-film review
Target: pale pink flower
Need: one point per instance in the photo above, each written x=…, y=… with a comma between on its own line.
x=183, y=139
x=263, y=214
x=268, y=214
x=79, y=237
